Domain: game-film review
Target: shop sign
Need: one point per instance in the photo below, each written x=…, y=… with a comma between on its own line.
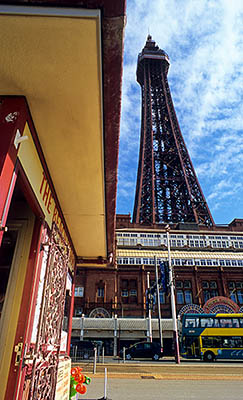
x=63, y=379
x=30, y=161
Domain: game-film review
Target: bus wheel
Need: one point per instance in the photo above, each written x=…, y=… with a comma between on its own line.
x=208, y=356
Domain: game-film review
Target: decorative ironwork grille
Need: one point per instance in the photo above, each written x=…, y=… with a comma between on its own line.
x=45, y=364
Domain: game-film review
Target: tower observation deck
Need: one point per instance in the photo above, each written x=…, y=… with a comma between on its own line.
x=167, y=189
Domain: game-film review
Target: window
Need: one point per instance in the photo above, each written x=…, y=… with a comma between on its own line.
x=179, y=284
x=191, y=323
x=162, y=297
x=213, y=285
x=211, y=291
x=206, y=295
x=79, y=291
x=240, y=296
x=184, y=295
x=225, y=322
x=188, y=296
x=100, y=292
x=207, y=322
x=236, y=291
x=180, y=296
x=205, y=284
x=78, y=311
x=128, y=290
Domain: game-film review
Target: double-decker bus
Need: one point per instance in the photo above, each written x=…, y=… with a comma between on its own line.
x=212, y=336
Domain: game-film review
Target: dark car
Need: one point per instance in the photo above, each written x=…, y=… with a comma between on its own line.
x=143, y=350
x=82, y=349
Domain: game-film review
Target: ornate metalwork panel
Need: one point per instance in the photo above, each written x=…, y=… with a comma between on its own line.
x=45, y=363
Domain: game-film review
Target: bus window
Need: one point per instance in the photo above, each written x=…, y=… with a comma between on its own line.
x=227, y=342
x=225, y=322
x=216, y=341
x=211, y=342
x=216, y=323
x=237, y=341
x=236, y=323
x=207, y=322
x=241, y=322
x=190, y=323
x=207, y=341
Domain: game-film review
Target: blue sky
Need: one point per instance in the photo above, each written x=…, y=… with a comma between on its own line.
x=204, y=40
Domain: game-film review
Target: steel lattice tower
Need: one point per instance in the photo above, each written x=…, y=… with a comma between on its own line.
x=167, y=188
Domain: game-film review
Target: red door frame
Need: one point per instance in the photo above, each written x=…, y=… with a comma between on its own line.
x=30, y=291
x=12, y=118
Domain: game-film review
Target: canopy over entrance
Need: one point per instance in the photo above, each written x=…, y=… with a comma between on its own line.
x=67, y=62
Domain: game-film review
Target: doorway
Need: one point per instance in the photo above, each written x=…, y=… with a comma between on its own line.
x=15, y=253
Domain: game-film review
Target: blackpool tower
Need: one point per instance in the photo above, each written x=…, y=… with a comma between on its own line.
x=167, y=188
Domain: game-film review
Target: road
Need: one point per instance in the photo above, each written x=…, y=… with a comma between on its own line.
x=167, y=381
x=150, y=389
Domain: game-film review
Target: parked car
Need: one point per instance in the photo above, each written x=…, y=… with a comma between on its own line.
x=143, y=350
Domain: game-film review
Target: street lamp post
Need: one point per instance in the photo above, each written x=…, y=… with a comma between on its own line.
x=172, y=297
x=149, y=336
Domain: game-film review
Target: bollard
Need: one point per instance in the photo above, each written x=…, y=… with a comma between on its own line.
x=75, y=352
x=105, y=387
x=124, y=354
x=95, y=359
x=105, y=384
x=103, y=355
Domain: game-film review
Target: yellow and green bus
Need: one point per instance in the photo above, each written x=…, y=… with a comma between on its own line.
x=212, y=336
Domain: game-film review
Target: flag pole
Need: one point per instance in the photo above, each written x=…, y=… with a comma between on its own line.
x=172, y=297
